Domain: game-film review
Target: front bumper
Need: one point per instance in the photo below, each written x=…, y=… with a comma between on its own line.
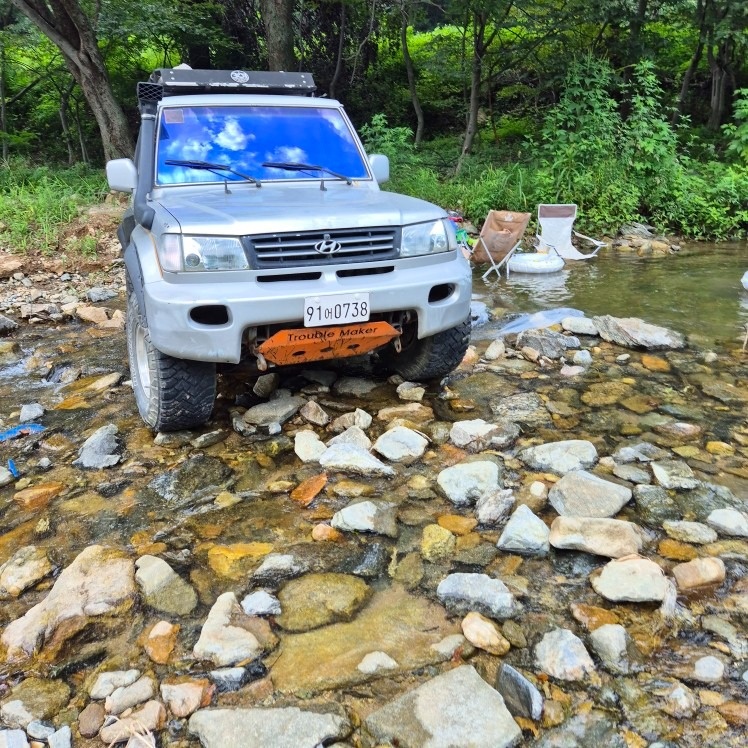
x=437, y=288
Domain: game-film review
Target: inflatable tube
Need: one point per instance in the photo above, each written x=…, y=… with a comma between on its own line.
x=535, y=262
x=744, y=281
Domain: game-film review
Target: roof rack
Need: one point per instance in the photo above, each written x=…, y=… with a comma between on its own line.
x=181, y=81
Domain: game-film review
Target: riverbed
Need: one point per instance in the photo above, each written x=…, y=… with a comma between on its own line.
x=364, y=612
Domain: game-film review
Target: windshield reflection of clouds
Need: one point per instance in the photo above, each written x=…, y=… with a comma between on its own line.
x=244, y=137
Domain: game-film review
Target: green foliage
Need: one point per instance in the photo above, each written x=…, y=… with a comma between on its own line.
x=37, y=202
x=394, y=142
x=737, y=133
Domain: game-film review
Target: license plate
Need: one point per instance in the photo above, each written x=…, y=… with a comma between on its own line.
x=338, y=309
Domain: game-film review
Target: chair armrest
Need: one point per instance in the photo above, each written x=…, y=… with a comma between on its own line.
x=596, y=242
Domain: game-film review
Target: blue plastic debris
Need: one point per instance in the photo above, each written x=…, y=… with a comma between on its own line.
x=23, y=430
x=13, y=469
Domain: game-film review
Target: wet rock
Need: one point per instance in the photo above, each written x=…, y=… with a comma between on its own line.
x=316, y=600
x=611, y=642
x=100, y=449
x=641, y=452
x=163, y=589
x=261, y=603
x=209, y=439
x=288, y=727
x=37, y=730
x=630, y=332
x=450, y=706
x=24, y=569
x=463, y=593
x=31, y=412
x=589, y=729
x=349, y=458
x=674, y=474
x=679, y=701
x=484, y=634
x=359, y=418
x=410, y=391
x=437, y=543
x=703, y=500
x=560, y=457
x=126, y=697
x=494, y=506
x=467, y=482
x=235, y=560
x=6, y=477
x=7, y=325
x=13, y=739
x=521, y=697
x=185, y=698
x=582, y=494
x=375, y=662
x=106, y=683
x=91, y=719
x=725, y=392
x=655, y=505
x=99, y=585
x=562, y=655
x=34, y=699
x=699, y=573
x=631, y=579
x=404, y=626
x=151, y=717
x=708, y=669
x=689, y=532
x=401, y=444
x=160, y=642
x=604, y=537
x=549, y=344
x=279, y=410
x=37, y=497
x=355, y=386
x=526, y=408
x=266, y=384
x=312, y=412
x=525, y=533
x=191, y=481
x=308, y=446
x=353, y=435
x=368, y=516
x=729, y=522
x=414, y=412
x=276, y=567
x=224, y=643
x=477, y=435
x=632, y=474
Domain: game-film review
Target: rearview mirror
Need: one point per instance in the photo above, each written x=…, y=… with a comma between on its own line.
x=380, y=167
x=122, y=175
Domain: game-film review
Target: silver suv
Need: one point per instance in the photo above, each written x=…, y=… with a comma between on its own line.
x=258, y=231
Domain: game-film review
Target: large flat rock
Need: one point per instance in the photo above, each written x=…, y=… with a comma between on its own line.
x=395, y=622
x=457, y=708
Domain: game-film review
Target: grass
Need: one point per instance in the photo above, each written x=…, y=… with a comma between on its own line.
x=38, y=202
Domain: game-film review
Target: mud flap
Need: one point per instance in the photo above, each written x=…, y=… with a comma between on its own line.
x=322, y=343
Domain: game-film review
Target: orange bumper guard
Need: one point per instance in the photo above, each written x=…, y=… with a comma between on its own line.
x=321, y=343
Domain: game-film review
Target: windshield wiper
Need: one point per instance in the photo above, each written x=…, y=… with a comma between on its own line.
x=297, y=166
x=207, y=166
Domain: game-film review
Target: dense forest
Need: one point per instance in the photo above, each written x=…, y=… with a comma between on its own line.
x=633, y=109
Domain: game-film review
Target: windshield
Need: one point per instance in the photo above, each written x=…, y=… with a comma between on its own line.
x=245, y=137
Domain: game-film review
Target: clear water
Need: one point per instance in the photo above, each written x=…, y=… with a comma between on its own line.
x=696, y=291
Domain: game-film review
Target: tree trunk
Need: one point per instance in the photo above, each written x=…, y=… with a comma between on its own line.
x=67, y=26
x=721, y=75
x=339, y=59
x=3, y=124
x=694, y=63
x=410, y=70
x=277, y=16
x=64, y=103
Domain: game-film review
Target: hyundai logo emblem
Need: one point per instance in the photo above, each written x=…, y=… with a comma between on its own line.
x=327, y=246
x=239, y=76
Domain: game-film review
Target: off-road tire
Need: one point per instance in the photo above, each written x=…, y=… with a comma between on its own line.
x=429, y=358
x=171, y=393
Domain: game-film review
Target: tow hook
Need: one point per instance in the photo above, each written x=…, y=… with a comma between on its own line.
x=262, y=364
x=398, y=345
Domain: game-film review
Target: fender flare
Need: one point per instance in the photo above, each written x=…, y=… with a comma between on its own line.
x=135, y=275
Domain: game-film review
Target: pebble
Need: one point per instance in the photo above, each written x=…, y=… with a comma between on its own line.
x=401, y=444
x=729, y=522
x=494, y=506
x=353, y=459
x=376, y=661
x=437, y=543
x=699, y=572
x=106, y=683
x=525, y=533
x=464, y=592
x=563, y=655
x=610, y=642
x=468, y=482
x=582, y=494
x=604, y=537
x=261, y=603
x=708, y=669
x=522, y=698
x=631, y=579
x=91, y=719
x=689, y=532
x=484, y=634
x=560, y=457
x=125, y=697
x=368, y=516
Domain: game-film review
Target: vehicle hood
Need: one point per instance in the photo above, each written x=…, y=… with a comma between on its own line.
x=273, y=209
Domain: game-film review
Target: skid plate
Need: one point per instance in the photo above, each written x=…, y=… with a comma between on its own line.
x=321, y=343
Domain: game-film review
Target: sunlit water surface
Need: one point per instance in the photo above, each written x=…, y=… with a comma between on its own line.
x=696, y=291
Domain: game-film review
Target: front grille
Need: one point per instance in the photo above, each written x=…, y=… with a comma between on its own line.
x=297, y=250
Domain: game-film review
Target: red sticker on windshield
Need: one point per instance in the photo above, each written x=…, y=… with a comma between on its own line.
x=173, y=116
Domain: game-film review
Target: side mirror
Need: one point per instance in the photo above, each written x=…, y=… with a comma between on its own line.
x=380, y=167
x=122, y=175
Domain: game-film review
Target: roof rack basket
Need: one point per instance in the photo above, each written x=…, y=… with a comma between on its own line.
x=181, y=81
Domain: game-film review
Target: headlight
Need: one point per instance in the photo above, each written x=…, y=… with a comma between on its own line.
x=199, y=253
x=427, y=238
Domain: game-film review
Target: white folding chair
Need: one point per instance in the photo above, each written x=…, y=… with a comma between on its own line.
x=555, y=227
